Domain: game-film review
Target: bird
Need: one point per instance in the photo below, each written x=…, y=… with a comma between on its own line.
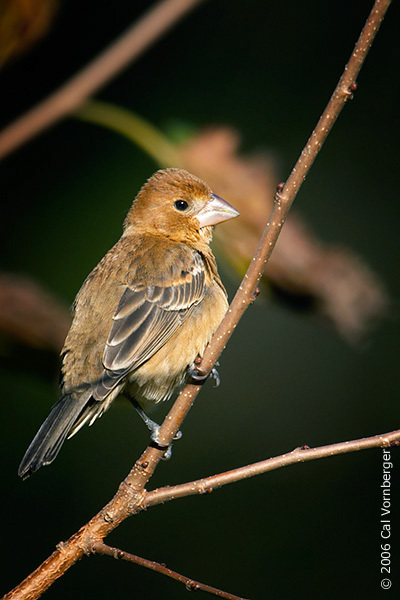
x=144, y=314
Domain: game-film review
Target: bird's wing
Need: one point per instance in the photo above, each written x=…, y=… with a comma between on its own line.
x=146, y=317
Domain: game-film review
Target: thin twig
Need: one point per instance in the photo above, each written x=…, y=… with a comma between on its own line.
x=190, y=584
x=131, y=496
x=299, y=455
x=129, y=46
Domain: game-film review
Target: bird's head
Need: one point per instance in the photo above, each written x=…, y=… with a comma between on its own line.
x=178, y=205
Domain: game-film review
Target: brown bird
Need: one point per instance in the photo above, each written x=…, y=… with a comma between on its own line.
x=144, y=314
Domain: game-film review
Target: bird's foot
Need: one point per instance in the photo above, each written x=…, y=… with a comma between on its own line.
x=154, y=429
x=215, y=375
x=156, y=440
x=155, y=435
x=199, y=378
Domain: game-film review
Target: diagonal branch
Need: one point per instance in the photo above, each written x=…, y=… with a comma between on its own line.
x=287, y=193
x=129, y=46
x=131, y=495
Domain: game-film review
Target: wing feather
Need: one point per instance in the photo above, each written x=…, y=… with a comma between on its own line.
x=133, y=321
x=146, y=317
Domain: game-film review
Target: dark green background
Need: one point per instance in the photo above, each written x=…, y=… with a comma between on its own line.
x=308, y=531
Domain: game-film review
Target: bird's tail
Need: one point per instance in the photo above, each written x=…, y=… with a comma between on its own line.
x=47, y=442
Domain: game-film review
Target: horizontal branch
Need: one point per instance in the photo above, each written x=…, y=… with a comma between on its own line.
x=190, y=584
x=299, y=455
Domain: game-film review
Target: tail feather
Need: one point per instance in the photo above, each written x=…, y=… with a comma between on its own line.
x=48, y=441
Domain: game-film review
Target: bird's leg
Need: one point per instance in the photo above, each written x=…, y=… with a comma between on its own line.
x=152, y=426
x=198, y=378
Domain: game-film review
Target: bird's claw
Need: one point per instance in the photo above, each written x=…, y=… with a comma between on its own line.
x=153, y=427
x=156, y=440
x=155, y=437
x=167, y=454
x=199, y=378
x=215, y=375
x=167, y=449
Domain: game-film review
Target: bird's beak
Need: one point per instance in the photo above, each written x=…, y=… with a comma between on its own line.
x=216, y=211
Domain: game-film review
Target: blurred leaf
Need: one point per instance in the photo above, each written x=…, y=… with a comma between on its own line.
x=331, y=281
x=31, y=316
x=22, y=24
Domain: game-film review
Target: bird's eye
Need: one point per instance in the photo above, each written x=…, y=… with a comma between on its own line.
x=181, y=205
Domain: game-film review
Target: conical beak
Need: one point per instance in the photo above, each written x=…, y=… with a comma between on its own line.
x=216, y=211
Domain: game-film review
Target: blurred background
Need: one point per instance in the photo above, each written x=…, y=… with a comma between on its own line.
x=260, y=74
